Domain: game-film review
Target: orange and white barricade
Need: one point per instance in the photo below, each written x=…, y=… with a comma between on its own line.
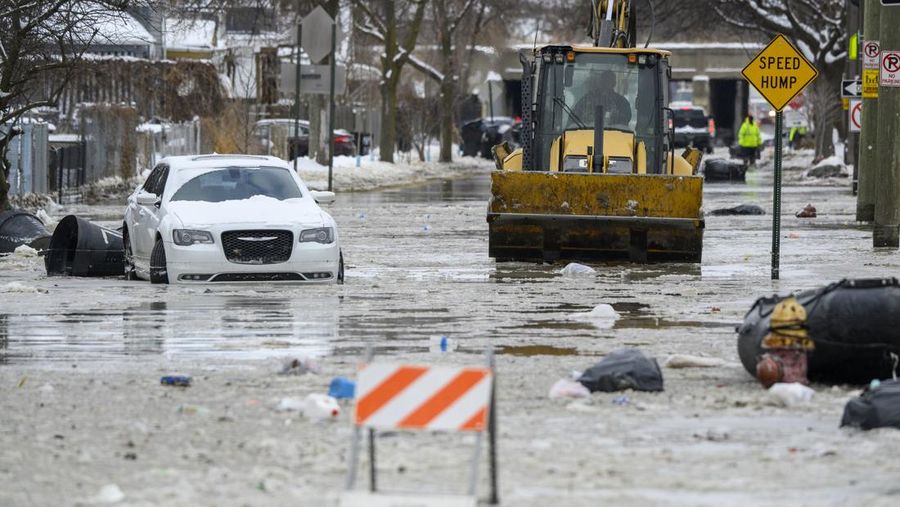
x=426, y=398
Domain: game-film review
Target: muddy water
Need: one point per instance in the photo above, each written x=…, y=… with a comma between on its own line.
x=418, y=266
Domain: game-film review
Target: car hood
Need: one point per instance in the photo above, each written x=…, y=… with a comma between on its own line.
x=257, y=210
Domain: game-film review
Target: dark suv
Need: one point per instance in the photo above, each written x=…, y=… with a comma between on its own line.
x=693, y=128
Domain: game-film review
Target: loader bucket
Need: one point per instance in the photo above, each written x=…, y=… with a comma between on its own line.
x=549, y=216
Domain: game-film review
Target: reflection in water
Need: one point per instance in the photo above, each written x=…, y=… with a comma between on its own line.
x=199, y=325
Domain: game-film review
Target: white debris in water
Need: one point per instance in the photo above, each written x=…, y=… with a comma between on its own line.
x=25, y=251
x=575, y=269
x=21, y=288
x=791, y=394
x=565, y=388
x=687, y=361
x=603, y=316
x=49, y=221
x=110, y=493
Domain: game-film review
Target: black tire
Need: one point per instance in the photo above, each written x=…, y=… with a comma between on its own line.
x=340, y=273
x=130, y=273
x=158, y=269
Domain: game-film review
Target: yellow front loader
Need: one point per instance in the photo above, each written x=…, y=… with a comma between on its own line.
x=596, y=177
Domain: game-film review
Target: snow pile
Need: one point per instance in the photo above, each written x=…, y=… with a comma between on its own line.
x=21, y=288
x=831, y=167
x=375, y=174
x=25, y=251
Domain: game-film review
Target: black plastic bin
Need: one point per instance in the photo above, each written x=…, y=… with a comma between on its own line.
x=19, y=228
x=82, y=248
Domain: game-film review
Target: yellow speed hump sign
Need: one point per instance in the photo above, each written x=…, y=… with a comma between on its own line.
x=779, y=72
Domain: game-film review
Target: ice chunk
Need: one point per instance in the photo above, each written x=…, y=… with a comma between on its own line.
x=791, y=394
x=603, y=316
x=687, y=361
x=565, y=388
x=575, y=269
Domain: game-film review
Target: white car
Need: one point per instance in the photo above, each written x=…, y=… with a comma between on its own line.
x=229, y=218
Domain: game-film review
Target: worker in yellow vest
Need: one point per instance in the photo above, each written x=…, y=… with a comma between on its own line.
x=749, y=140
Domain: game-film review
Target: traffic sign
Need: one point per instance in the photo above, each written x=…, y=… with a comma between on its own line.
x=855, y=115
x=870, y=84
x=779, y=72
x=314, y=79
x=316, y=36
x=851, y=88
x=871, y=52
x=890, y=68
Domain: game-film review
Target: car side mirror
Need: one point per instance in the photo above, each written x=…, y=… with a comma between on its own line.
x=322, y=197
x=147, y=199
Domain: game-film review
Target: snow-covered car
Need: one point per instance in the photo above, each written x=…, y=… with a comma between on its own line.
x=693, y=127
x=229, y=218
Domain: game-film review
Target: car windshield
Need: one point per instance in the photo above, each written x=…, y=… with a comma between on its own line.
x=237, y=183
x=690, y=118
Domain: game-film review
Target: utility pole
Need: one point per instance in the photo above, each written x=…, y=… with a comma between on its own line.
x=887, y=183
x=868, y=159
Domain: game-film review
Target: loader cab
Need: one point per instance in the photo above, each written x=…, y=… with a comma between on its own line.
x=631, y=85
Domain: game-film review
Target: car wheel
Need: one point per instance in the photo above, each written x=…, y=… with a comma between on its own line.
x=340, y=273
x=158, y=272
x=129, y=256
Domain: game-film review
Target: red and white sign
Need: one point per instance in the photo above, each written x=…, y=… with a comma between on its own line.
x=423, y=398
x=871, y=53
x=890, y=68
x=855, y=112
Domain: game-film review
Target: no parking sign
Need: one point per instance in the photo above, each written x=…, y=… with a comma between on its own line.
x=855, y=112
x=890, y=68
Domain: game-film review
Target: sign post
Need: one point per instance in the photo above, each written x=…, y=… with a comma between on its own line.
x=779, y=72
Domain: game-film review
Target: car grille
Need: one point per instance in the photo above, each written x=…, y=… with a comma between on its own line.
x=258, y=247
x=258, y=277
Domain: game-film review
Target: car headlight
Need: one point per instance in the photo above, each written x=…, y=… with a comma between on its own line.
x=188, y=237
x=320, y=235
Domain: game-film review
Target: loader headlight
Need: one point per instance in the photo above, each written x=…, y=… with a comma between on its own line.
x=575, y=164
x=188, y=237
x=321, y=235
x=619, y=165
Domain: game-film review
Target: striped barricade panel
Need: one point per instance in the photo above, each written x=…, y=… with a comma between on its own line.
x=423, y=398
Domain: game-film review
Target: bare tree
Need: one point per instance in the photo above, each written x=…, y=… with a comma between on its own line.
x=817, y=27
x=39, y=38
x=383, y=21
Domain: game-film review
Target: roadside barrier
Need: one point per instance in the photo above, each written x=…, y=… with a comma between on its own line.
x=423, y=398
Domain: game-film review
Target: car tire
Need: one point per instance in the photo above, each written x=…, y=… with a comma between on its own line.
x=340, y=273
x=130, y=273
x=158, y=268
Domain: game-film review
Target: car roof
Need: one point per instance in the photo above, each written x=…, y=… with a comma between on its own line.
x=280, y=121
x=217, y=160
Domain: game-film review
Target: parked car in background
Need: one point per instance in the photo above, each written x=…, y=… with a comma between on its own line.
x=275, y=133
x=693, y=127
x=482, y=134
x=229, y=218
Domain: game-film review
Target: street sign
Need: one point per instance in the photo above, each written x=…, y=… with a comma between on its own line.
x=855, y=115
x=851, y=88
x=314, y=79
x=779, y=72
x=871, y=52
x=870, y=84
x=890, y=68
x=316, y=36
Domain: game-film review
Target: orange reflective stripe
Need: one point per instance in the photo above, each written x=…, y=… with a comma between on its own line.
x=442, y=399
x=476, y=423
x=385, y=392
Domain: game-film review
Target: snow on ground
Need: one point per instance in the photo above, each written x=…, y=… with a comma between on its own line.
x=374, y=174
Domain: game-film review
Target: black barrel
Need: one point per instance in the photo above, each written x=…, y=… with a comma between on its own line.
x=19, y=228
x=855, y=325
x=82, y=248
x=719, y=169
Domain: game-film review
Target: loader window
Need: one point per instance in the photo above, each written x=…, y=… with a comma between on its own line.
x=570, y=92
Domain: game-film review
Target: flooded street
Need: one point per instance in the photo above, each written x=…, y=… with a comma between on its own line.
x=417, y=266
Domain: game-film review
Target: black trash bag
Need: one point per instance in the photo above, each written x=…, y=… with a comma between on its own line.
x=19, y=228
x=623, y=369
x=876, y=407
x=718, y=169
x=82, y=248
x=740, y=209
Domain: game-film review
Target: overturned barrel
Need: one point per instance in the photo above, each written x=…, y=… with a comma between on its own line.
x=855, y=325
x=81, y=248
x=19, y=228
x=722, y=170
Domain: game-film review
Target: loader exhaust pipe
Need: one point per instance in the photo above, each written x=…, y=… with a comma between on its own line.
x=597, y=160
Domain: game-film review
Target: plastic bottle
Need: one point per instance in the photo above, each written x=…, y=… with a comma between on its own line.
x=321, y=407
x=441, y=344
